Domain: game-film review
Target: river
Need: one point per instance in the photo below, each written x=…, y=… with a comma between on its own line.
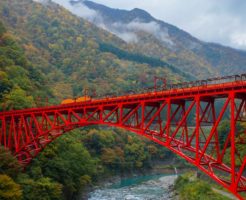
x=153, y=187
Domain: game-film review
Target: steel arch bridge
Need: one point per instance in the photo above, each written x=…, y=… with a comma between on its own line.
x=184, y=118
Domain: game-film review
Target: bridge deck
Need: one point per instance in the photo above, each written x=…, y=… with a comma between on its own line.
x=207, y=91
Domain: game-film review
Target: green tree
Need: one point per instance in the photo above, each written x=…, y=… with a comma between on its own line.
x=2, y=29
x=41, y=189
x=9, y=164
x=9, y=190
x=135, y=153
x=18, y=99
x=68, y=162
x=84, y=181
x=5, y=84
x=191, y=188
x=223, y=131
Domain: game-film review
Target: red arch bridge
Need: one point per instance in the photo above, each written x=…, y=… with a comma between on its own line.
x=184, y=118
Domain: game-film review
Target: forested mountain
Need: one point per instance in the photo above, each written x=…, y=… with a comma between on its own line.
x=20, y=81
x=66, y=49
x=153, y=37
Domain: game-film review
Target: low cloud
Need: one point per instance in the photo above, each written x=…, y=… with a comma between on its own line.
x=239, y=39
x=152, y=28
x=80, y=9
x=209, y=20
x=127, y=32
x=127, y=36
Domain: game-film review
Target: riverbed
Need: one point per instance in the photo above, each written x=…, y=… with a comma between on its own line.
x=154, y=187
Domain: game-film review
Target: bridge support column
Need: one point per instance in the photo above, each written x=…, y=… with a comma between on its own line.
x=232, y=98
x=3, y=134
x=100, y=114
x=168, y=119
x=197, y=99
x=143, y=115
x=120, y=114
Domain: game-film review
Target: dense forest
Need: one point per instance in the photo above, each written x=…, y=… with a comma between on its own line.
x=191, y=188
x=67, y=50
x=20, y=82
x=139, y=58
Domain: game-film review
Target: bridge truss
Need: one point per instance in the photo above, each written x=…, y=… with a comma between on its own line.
x=184, y=120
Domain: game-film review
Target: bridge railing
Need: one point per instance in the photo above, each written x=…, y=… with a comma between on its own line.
x=197, y=83
x=216, y=80
x=170, y=87
x=183, y=85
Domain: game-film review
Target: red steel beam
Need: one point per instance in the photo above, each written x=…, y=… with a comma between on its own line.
x=160, y=116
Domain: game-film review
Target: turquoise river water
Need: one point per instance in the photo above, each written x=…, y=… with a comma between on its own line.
x=154, y=187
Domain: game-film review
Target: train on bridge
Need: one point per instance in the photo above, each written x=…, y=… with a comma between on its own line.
x=162, y=114
x=77, y=100
x=175, y=87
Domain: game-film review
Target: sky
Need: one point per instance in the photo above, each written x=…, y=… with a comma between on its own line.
x=220, y=21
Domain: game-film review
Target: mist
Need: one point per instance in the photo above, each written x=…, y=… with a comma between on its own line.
x=127, y=32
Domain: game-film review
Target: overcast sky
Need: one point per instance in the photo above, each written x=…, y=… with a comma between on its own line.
x=221, y=21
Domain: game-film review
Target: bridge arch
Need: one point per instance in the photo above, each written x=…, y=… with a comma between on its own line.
x=25, y=157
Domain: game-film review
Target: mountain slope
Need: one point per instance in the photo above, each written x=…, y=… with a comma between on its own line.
x=153, y=37
x=66, y=49
x=20, y=82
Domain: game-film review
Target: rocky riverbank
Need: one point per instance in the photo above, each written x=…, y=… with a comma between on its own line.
x=161, y=176
x=137, y=188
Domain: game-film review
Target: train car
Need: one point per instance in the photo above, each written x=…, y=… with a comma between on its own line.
x=77, y=100
x=68, y=101
x=83, y=99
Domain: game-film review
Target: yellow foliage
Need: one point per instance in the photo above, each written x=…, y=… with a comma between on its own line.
x=9, y=190
x=30, y=48
x=152, y=149
x=79, y=39
x=85, y=180
x=108, y=156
